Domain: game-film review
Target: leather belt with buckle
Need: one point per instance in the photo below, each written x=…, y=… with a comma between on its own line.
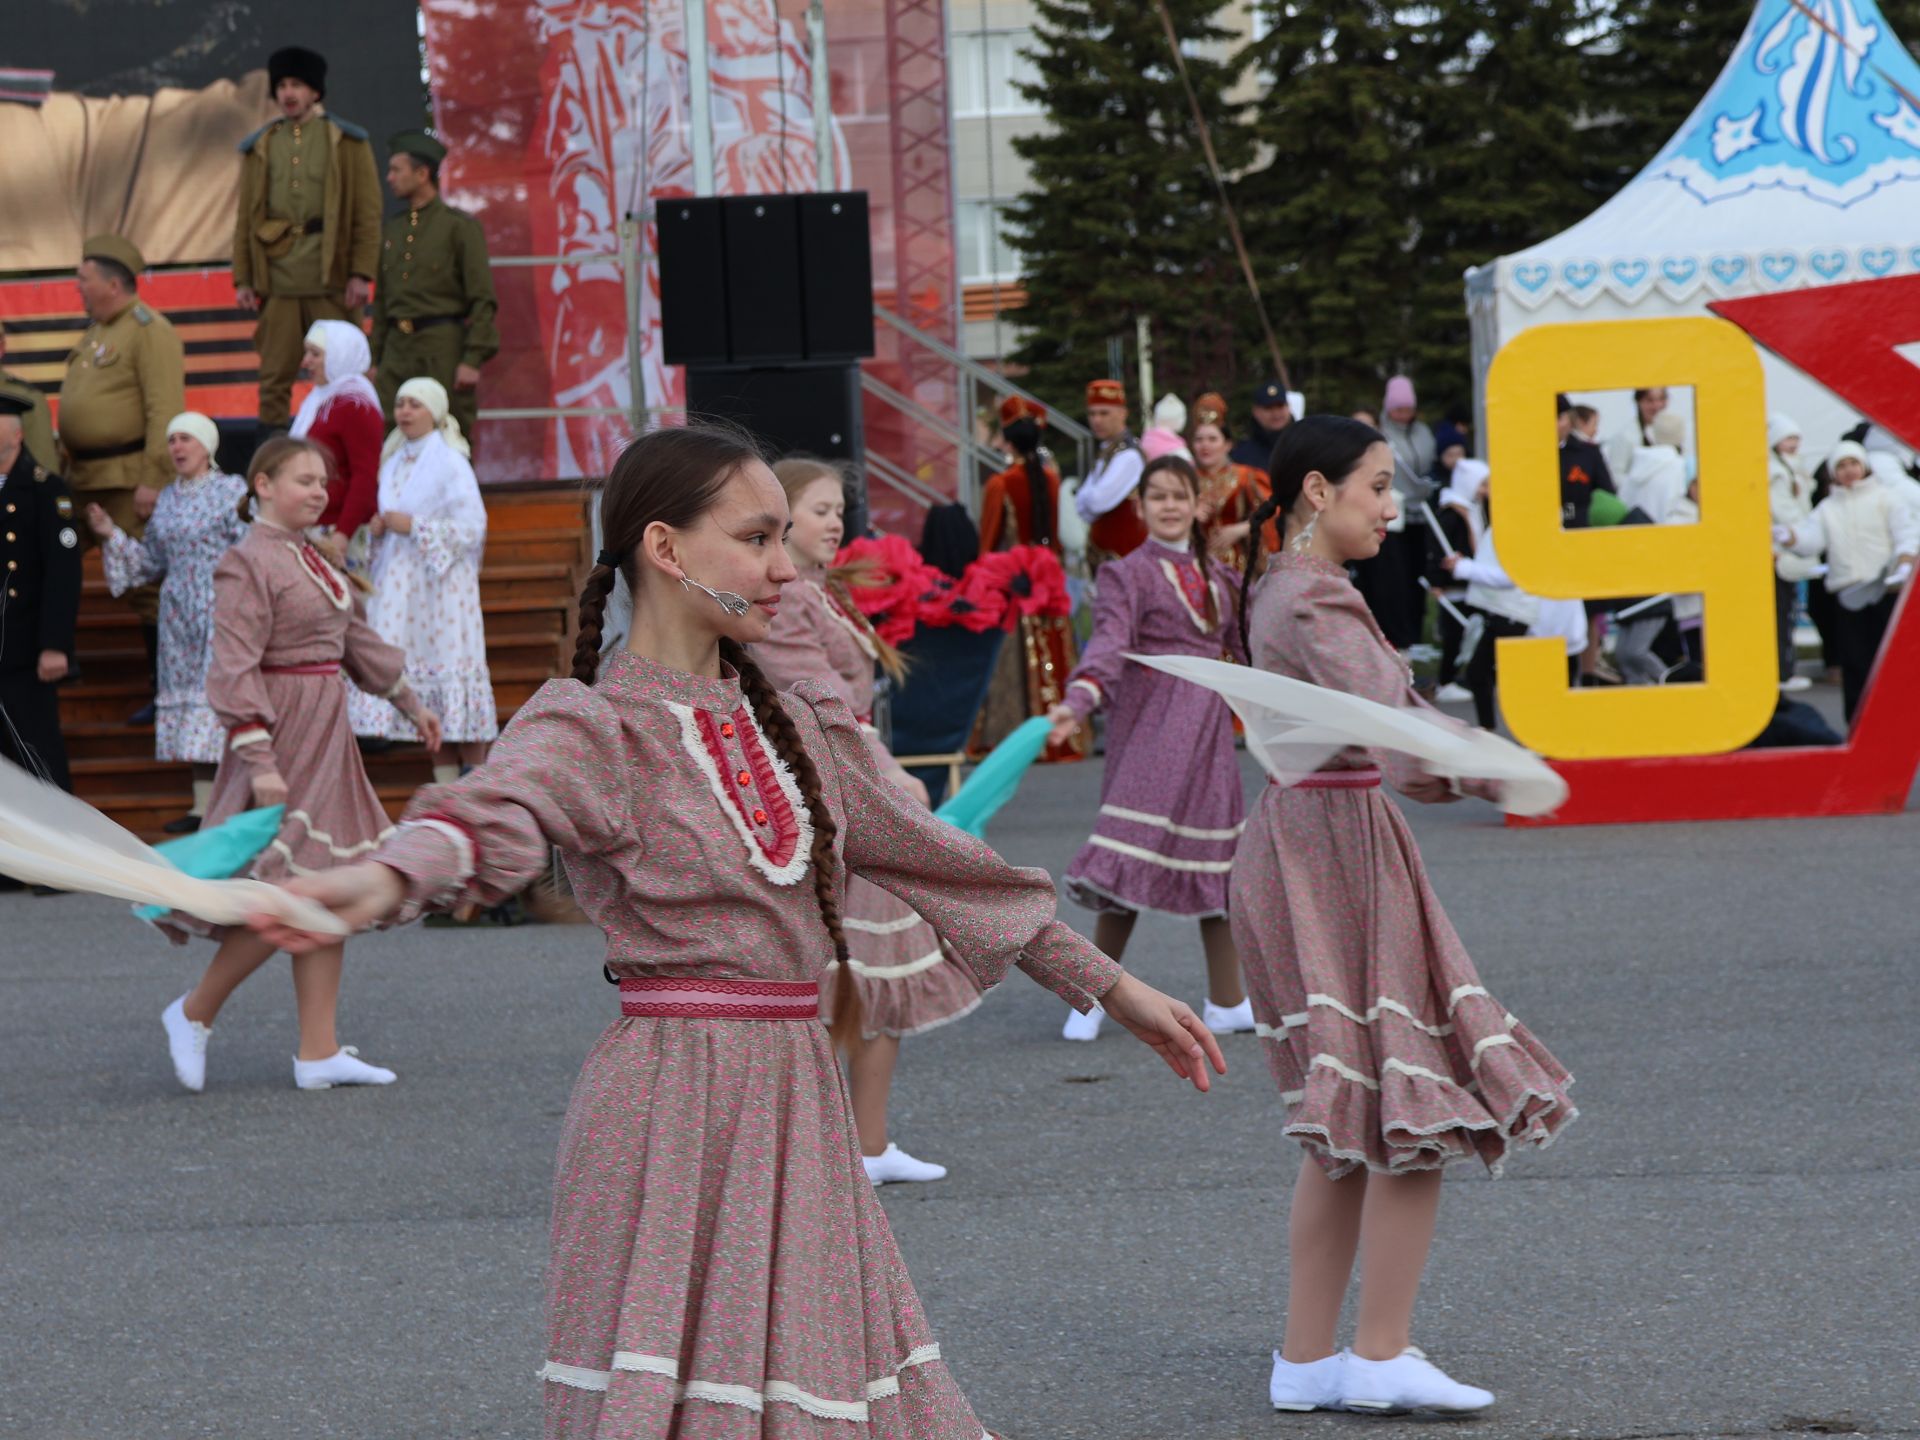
x=426, y=322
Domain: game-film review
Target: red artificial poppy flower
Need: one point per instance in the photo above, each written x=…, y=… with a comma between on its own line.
x=971, y=603
x=1030, y=578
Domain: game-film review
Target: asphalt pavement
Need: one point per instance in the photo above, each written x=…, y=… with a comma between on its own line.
x=1726, y=1243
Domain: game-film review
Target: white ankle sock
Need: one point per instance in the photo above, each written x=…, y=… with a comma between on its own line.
x=202, y=796
x=445, y=774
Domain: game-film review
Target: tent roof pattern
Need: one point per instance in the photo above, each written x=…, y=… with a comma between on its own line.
x=1800, y=166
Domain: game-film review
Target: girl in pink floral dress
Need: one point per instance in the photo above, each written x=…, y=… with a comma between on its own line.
x=908, y=984
x=1172, y=803
x=1392, y=1058
x=285, y=626
x=720, y=1266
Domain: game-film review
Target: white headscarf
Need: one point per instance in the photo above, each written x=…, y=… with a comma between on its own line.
x=201, y=428
x=432, y=394
x=432, y=482
x=348, y=360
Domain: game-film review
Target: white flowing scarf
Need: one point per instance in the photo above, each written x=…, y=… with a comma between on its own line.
x=348, y=359
x=424, y=478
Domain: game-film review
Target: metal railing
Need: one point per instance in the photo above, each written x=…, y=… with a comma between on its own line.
x=970, y=377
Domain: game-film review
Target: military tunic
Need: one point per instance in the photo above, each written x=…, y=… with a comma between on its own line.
x=433, y=309
x=40, y=563
x=297, y=163
x=125, y=380
x=37, y=424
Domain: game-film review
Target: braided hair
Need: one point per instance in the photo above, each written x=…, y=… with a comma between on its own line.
x=1329, y=445
x=1024, y=436
x=673, y=476
x=1183, y=467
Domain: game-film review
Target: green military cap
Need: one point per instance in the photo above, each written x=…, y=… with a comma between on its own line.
x=115, y=248
x=420, y=145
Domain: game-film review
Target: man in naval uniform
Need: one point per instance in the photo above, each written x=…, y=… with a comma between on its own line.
x=433, y=308
x=307, y=234
x=38, y=421
x=1105, y=497
x=39, y=600
x=125, y=380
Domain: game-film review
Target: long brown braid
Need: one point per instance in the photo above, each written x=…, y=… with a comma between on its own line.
x=674, y=476
x=1333, y=446
x=779, y=728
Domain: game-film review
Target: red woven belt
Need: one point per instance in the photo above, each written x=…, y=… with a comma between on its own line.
x=323, y=667
x=1337, y=780
x=695, y=999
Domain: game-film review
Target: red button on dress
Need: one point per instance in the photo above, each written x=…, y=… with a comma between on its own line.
x=759, y=817
x=727, y=730
x=745, y=777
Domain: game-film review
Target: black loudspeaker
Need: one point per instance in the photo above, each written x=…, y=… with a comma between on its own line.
x=763, y=280
x=693, y=288
x=836, y=275
x=811, y=409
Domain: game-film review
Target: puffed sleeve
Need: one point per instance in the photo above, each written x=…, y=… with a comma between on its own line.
x=459, y=530
x=795, y=648
x=129, y=562
x=554, y=779
x=993, y=915
x=372, y=663
x=242, y=624
x=1097, y=676
x=1226, y=585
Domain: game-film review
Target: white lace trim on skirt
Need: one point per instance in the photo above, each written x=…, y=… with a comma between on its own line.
x=581, y=1377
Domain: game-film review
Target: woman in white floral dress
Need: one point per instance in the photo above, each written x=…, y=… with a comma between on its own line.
x=194, y=523
x=427, y=539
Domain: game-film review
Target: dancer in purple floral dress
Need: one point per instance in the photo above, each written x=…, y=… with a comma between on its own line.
x=1392, y=1058
x=1171, y=801
x=720, y=1266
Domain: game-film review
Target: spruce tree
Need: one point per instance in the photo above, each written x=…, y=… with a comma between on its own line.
x=1504, y=162
x=1121, y=218
x=1332, y=213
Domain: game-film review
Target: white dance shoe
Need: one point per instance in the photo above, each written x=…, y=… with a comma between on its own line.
x=1453, y=693
x=1228, y=1019
x=1409, y=1381
x=345, y=1067
x=1315, y=1385
x=187, y=1045
x=1083, y=1027
x=893, y=1165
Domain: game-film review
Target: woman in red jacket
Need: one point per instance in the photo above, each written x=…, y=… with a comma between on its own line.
x=341, y=414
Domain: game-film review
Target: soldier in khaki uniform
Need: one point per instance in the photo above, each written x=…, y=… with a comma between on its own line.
x=433, y=309
x=37, y=421
x=125, y=380
x=307, y=235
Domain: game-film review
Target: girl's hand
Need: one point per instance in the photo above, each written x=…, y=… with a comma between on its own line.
x=376, y=527
x=428, y=724
x=1065, y=724
x=269, y=789
x=398, y=521
x=360, y=894
x=1169, y=1026
x=1449, y=562
x=100, y=523
x=1430, y=790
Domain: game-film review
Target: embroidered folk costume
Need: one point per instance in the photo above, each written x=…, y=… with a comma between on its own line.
x=1231, y=492
x=720, y=1266
x=194, y=523
x=907, y=983
x=1388, y=1050
x=1171, y=800
x=1104, y=499
x=426, y=583
x=1030, y=672
x=287, y=636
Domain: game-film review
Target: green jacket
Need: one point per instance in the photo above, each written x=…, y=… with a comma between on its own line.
x=350, y=243
x=433, y=262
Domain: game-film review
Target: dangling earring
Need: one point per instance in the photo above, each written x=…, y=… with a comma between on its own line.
x=1301, y=541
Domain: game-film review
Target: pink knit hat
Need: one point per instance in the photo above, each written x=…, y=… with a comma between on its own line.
x=1399, y=393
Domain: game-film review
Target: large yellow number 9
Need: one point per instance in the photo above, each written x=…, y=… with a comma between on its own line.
x=1727, y=556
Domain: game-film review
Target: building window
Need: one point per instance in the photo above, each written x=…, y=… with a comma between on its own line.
x=985, y=252
x=986, y=66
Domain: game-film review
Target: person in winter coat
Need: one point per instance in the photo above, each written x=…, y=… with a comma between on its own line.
x=1390, y=580
x=1870, y=539
x=1790, y=500
x=1274, y=409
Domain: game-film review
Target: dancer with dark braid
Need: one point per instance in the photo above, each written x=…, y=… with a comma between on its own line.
x=716, y=1242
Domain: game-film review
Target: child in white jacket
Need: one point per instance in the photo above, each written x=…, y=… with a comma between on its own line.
x=1870, y=538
